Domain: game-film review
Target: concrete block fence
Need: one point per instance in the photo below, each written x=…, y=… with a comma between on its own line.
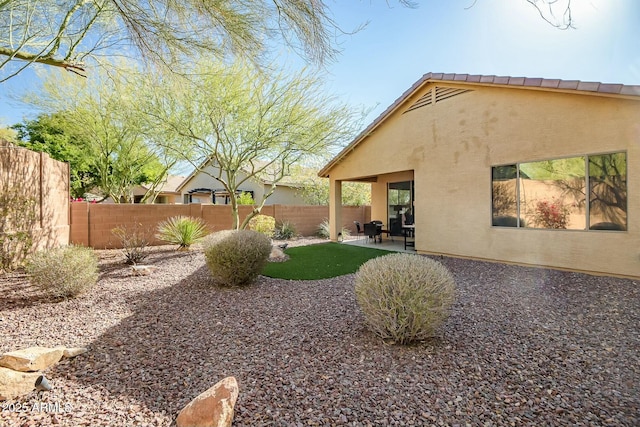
x=91, y=224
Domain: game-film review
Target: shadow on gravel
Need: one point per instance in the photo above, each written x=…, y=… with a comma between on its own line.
x=523, y=346
x=116, y=267
x=17, y=292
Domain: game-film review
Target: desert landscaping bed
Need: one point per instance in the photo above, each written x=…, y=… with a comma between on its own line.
x=523, y=346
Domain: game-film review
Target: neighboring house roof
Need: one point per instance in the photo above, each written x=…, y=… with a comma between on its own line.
x=287, y=181
x=556, y=85
x=170, y=185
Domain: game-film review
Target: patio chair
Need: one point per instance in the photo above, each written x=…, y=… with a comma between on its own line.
x=359, y=229
x=373, y=231
x=381, y=230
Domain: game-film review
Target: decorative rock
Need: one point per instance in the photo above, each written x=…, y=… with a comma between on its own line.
x=74, y=351
x=14, y=383
x=277, y=255
x=142, y=270
x=31, y=359
x=213, y=408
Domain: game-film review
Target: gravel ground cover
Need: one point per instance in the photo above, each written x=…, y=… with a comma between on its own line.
x=523, y=347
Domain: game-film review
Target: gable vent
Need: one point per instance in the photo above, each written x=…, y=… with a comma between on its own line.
x=443, y=93
x=426, y=99
x=437, y=94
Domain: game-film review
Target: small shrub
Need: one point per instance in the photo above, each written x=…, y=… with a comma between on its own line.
x=134, y=240
x=245, y=199
x=183, y=231
x=236, y=257
x=285, y=231
x=404, y=297
x=63, y=272
x=264, y=224
x=323, y=230
x=551, y=214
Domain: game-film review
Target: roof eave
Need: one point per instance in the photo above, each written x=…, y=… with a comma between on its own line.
x=324, y=172
x=568, y=86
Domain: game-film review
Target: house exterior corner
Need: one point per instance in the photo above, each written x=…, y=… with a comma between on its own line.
x=507, y=170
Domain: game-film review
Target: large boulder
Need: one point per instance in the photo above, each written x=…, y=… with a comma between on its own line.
x=15, y=383
x=32, y=359
x=213, y=408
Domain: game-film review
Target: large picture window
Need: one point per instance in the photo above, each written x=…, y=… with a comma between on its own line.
x=576, y=193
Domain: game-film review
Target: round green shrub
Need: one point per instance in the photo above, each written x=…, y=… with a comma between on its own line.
x=264, y=224
x=63, y=272
x=236, y=257
x=404, y=297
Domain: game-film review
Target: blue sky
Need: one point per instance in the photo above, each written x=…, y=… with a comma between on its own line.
x=501, y=37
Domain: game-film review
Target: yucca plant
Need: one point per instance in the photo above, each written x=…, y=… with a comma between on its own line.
x=285, y=230
x=183, y=231
x=324, y=232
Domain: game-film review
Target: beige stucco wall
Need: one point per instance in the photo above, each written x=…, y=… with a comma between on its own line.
x=452, y=145
x=284, y=195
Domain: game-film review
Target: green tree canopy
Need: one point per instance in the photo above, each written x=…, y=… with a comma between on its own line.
x=69, y=34
x=315, y=190
x=243, y=121
x=101, y=116
x=53, y=134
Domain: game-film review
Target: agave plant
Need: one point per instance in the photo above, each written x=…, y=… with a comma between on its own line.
x=182, y=230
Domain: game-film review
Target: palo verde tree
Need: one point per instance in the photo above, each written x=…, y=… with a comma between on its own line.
x=555, y=12
x=247, y=124
x=103, y=112
x=315, y=190
x=70, y=34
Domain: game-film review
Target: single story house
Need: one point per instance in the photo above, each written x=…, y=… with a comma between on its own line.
x=519, y=170
x=166, y=192
x=201, y=187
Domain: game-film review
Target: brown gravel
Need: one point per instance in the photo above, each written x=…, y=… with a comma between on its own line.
x=523, y=347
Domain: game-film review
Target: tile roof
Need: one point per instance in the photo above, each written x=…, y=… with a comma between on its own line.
x=606, y=89
x=264, y=177
x=620, y=89
x=169, y=185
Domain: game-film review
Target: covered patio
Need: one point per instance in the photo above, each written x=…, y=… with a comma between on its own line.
x=387, y=244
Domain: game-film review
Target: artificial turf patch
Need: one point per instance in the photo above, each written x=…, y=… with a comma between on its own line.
x=321, y=261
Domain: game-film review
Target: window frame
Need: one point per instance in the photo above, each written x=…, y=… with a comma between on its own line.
x=588, y=189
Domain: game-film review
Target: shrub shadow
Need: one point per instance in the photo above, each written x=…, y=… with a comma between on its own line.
x=17, y=292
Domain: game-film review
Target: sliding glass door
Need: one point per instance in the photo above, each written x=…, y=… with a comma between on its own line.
x=400, y=206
